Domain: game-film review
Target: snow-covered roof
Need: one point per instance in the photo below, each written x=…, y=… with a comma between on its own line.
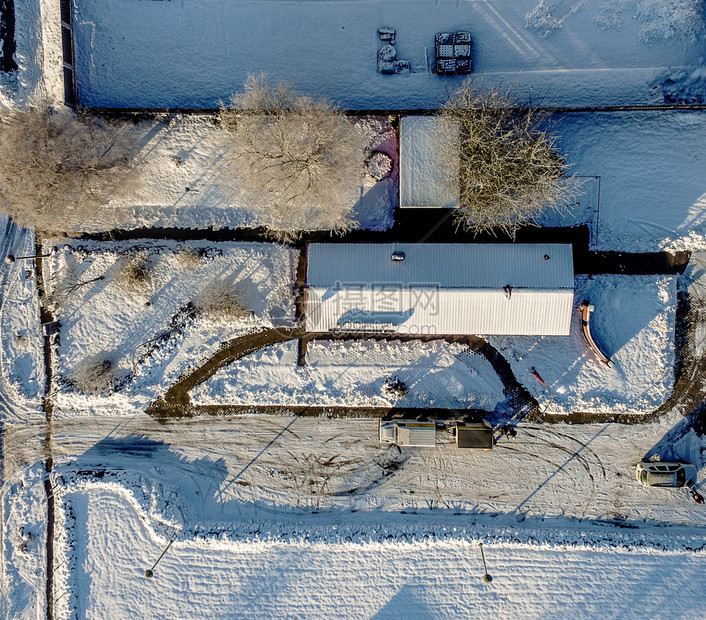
x=512, y=289
x=425, y=179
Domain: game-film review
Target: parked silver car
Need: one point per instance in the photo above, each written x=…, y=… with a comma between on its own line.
x=665, y=474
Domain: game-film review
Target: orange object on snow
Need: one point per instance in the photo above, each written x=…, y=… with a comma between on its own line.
x=586, y=310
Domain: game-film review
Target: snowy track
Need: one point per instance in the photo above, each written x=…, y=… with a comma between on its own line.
x=13, y=277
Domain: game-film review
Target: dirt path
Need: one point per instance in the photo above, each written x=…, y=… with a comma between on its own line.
x=437, y=226
x=177, y=403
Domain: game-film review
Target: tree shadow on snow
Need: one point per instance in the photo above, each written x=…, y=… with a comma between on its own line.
x=684, y=441
x=193, y=487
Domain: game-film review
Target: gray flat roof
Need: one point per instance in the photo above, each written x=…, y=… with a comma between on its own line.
x=426, y=179
x=447, y=265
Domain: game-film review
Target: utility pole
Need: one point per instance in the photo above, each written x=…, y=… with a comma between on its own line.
x=486, y=577
x=149, y=573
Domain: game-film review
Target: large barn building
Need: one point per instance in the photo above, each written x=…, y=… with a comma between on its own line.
x=443, y=289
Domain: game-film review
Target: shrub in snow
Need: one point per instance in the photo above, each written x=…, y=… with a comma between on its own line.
x=668, y=19
x=59, y=169
x=379, y=165
x=394, y=387
x=220, y=300
x=298, y=161
x=509, y=168
x=542, y=19
x=188, y=259
x=610, y=15
x=93, y=376
x=134, y=273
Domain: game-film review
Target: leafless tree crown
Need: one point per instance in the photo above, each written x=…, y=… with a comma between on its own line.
x=297, y=161
x=94, y=375
x=509, y=167
x=58, y=170
x=220, y=299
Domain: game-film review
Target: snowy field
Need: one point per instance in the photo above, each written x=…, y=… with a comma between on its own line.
x=431, y=579
x=633, y=324
x=149, y=330
x=194, y=54
x=652, y=170
x=437, y=374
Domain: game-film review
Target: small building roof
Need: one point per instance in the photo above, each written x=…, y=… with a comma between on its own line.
x=509, y=289
x=426, y=180
x=474, y=436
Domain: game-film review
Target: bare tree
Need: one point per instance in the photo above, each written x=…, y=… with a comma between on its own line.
x=220, y=299
x=509, y=166
x=58, y=170
x=297, y=161
x=94, y=375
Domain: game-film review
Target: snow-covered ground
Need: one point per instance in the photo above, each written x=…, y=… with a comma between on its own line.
x=434, y=578
x=304, y=502
x=640, y=174
x=38, y=55
x=314, y=517
x=186, y=183
x=652, y=168
x=194, y=54
x=346, y=374
x=148, y=330
x=23, y=554
x=21, y=362
x=633, y=325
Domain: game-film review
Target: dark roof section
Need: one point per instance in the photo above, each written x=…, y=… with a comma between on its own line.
x=474, y=436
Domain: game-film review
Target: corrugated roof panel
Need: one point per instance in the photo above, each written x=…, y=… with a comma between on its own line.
x=452, y=265
x=425, y=180
x=510, y=289
x=440, y=311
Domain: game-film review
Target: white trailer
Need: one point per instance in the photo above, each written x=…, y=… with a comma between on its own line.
x=408, y=433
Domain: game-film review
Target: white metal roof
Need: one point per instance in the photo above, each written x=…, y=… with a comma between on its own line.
x=425, y=180
x=449, y=265
x=441, y=288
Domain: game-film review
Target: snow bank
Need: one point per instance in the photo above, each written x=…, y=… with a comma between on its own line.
x=633, y=324
x=437, y=374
